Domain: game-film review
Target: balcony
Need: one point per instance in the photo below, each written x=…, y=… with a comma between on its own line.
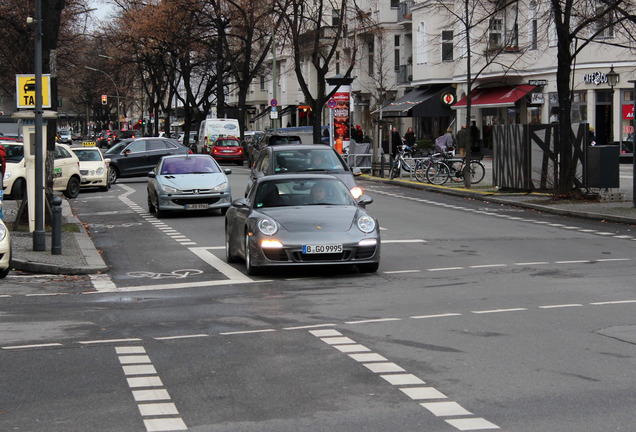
x=404, y=74
x=404, y=11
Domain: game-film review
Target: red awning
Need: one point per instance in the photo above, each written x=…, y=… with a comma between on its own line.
x=493, y=97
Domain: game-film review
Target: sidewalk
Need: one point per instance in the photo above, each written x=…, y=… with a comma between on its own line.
x=79, y=255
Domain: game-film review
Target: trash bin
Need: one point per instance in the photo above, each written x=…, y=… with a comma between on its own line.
x=603, y=167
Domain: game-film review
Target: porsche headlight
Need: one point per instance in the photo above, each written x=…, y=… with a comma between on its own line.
x=267, y=226
x=3, y=232
x=366, y=224
x=220, y=188
x=170, y=190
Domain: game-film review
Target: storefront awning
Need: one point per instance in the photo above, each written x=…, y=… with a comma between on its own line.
x=494, y=97
x=415, y=99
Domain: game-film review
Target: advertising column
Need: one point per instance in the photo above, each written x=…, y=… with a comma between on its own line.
x=341, y=112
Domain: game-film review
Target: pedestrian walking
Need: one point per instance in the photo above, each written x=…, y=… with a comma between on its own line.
x=462, y=140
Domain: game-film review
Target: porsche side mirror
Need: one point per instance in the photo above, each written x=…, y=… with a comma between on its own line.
x=364, y=200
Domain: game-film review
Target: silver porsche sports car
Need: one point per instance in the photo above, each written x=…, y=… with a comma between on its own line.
x=301, y=219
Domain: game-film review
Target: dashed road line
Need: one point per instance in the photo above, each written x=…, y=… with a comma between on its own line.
x=412, y=386
x=155, y=405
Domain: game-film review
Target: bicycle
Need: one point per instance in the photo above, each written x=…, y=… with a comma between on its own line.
x=400, y=163
x=440, y=171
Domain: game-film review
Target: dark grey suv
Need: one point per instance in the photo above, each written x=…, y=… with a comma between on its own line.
x=303, y=158
x=137, y=156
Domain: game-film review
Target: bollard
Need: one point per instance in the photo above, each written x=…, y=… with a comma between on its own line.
x=56, y=236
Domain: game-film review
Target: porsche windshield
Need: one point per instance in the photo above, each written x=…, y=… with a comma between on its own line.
x=302, y=192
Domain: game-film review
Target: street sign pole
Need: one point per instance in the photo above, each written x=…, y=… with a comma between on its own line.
x=634, y=151
x=39, y=235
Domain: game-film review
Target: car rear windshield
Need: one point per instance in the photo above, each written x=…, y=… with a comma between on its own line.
x=227, y=143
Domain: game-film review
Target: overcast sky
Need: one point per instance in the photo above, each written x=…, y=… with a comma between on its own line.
x=104, y=8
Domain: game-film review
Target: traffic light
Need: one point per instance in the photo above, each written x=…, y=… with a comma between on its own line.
x=104, y=99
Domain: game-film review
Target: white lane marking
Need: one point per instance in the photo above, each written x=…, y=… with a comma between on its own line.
x=226, y=269
x=107, y=341
x=373, y=320
x=445, y=269
x=385, y=367
x=165, y=424
x=351, y=348
x=403, y=241
x=532, y=263
x=573, y=262
x=423, y=393
x=324, y=333
x=436, y=315
x=102, y=283
x=182, y=337
x=605, y=233
x=499, y=310
x=403, y=379
x=247, y=332
x=613, y=302
x=45, y=345
x=184, y=285
x=45, y=295
x=402, y=271
x=368, y=357
x=149, y=381
x=471, y=424
x=134, y=359
x=149, y=388
x=309, y=326
x=139, y=370
x=487, y=266
x=446, y=409
x=156, y=409
x=5, y=296
x=338, y=340
x=613, y=259
x=560, y=306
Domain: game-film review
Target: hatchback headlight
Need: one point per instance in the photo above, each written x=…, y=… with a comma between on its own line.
x=366, y=224
x=220, y=188
x=171, y=190
x=7, y=175
x=267, y=226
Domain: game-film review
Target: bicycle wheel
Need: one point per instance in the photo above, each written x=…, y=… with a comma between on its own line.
x=395, y=170
x=437, y=173
x=456, y=171
x=477, y=172
x=420, y=170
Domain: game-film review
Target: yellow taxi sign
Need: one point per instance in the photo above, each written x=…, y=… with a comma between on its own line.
x=25, y=91
x=89, y=144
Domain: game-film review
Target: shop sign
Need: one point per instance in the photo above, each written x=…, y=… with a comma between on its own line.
x=596, y=78
x=536, y=98
x=628, y=112
x=538, y=82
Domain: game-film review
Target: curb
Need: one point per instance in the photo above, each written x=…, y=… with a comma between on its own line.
x=496, y=198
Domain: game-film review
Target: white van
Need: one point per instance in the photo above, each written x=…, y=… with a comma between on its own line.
x=211, y=129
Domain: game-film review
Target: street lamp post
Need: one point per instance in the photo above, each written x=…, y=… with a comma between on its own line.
x=116, y=91
x=612, y=80
x=633, y=151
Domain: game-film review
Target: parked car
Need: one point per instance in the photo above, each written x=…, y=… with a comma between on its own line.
x=136, y=156
x=227, y=150
x=5, y=250
x=93, y=167
x=188, y=182
x=66, y=172
x=303, y=158
x=301, y=219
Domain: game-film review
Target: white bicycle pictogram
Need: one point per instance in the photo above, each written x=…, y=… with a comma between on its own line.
x=175, y=274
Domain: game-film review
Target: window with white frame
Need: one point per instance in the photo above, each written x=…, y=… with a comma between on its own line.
x=604, y=25
x=495, y=36
x=447, y=45
x=421, y=53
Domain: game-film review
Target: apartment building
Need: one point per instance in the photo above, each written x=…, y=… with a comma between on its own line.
x=411, y=63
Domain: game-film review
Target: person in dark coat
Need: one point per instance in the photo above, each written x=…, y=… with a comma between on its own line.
x=396, y=141
x=409, y=138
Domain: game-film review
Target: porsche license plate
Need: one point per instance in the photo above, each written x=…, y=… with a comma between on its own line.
x=196, y=206
x=317, y=249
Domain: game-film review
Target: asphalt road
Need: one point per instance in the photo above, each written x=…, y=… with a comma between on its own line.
x=481, y=317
